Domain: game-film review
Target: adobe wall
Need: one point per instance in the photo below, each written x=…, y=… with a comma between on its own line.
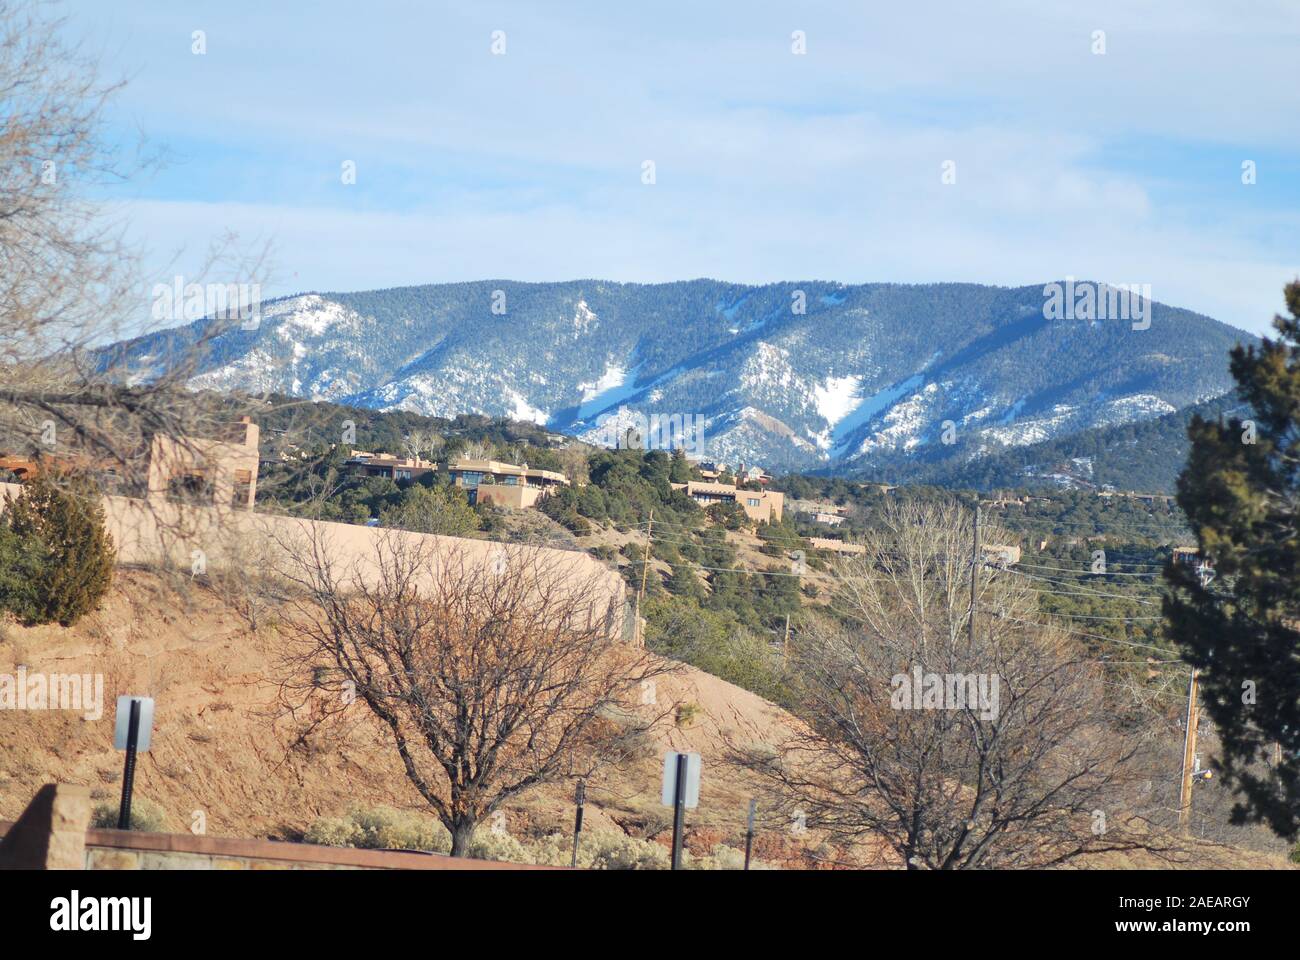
x=160, y=532
x=512, y=495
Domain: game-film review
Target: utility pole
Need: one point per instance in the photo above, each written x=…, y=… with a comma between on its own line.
x=1189, y=755
x=785, y=642
x=974, y=570
x=645, y=562
x=1206, y=573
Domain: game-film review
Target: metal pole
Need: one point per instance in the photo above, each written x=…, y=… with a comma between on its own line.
x=579, y=796
x=679, y=810
x=974, y=569
x=128, y=774
x=749, y=831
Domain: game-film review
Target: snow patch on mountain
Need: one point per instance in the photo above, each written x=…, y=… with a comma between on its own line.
x=256, y=371
x=868, y=410
x=1065, y=417
x=611, y=388
x=521, y=409
x=310, y=314
x=584, y=320
x=768, y=368
x=904, y=422
x=837, y=398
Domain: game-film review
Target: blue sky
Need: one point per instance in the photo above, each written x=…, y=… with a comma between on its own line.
x=1124, y=167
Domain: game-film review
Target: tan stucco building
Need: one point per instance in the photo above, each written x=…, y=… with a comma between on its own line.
x=219, y=470
x=385, y=465
x=760, y=505
x=504, y=484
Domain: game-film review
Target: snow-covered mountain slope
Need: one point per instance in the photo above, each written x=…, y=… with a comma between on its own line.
x=792, y=375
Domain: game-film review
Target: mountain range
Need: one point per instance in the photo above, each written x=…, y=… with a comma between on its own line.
x=807, y=376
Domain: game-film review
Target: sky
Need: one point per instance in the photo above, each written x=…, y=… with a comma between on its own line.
x=910, y=142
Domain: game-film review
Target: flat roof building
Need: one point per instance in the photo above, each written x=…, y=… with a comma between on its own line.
x=763, y=506
x=220, y=470
x=386, y=465
x=504, y=484
x=829, y=519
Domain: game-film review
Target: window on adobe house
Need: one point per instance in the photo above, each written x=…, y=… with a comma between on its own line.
x=189, y=488
x=243, y=482
x=753, y=502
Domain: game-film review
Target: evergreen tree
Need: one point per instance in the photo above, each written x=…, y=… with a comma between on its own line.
x=1241, y=493
x=59, y=557
x=680, y=470
x=424, y=509
x=684, y=582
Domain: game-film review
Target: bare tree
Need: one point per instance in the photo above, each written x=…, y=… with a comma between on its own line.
x=944, y=749
x=421, y=444
x=478, y=450
x=494, y=668
x=71, y=287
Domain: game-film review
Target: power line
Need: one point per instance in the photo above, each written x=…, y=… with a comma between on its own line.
x=1090, y=573
x=1045, y=592
x=1084, y=616
x=1089, y=636
x=1081, y=593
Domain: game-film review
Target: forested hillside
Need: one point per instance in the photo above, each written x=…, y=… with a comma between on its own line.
x=798, y=376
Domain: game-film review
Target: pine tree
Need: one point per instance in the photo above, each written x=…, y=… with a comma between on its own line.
x=1241, y=493
x=684, y=583
x=680, y=470
x=59, y=545
x=442, y=510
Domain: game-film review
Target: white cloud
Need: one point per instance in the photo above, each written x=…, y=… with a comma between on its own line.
x=770, y=166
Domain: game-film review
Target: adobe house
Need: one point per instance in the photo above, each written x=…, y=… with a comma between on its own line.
x=21, y=467
x=219, y=470
x=753, y=474
x=504, y=484
x=711, y=469
x=760, y=505
x=386, y=465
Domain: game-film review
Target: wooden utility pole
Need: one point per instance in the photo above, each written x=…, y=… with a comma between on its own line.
x=785, y=642
x=1206, y=573
x=645, y=562
x=974, y=570
x=1189, y=755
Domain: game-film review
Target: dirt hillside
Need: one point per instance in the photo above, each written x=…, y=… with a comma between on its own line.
x=221, y=746
x=218, y=748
